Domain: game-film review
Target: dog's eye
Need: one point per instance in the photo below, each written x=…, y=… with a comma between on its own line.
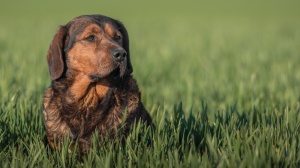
x=91, y=38
x=117, y=37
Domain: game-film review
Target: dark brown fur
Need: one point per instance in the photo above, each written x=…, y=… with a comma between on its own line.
x=90, y=90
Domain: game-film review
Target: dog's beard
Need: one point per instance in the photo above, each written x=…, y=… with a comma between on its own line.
x=122, y=68
x=118, y=72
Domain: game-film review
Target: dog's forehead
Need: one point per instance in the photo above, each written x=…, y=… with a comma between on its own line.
x=79, y=24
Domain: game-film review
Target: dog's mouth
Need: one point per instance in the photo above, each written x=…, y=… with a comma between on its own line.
x=115, y=74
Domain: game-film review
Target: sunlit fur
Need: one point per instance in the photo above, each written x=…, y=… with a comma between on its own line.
x=90, y=90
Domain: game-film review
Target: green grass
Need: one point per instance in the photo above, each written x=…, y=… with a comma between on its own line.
x=220, y=80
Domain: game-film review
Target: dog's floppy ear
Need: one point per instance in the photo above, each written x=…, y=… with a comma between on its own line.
x=56, y=52
x=123, y=30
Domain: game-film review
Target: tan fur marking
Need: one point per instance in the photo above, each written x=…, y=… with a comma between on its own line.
x=102, y=88
x=79, y=89
x=80, y=86
x=92, y=29
x=109, y=30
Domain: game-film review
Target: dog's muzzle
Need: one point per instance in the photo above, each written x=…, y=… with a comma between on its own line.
x=119, y=54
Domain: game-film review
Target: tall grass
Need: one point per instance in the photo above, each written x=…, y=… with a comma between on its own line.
x=221, y=82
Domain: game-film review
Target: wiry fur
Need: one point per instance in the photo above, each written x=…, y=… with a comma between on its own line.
x=76, y=105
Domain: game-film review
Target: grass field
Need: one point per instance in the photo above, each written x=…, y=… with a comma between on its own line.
x=220, y=80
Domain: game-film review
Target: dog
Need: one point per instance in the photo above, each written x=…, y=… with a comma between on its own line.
x=92, y=87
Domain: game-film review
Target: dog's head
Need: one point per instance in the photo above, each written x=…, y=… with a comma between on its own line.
x=95, y=45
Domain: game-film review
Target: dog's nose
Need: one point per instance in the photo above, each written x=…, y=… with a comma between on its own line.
x=119, y=54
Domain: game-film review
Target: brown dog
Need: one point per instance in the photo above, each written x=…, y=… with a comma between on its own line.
x=92, y=86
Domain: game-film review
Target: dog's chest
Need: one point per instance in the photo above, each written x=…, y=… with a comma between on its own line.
x=94, y=111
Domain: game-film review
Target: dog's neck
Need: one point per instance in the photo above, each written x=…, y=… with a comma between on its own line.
x=84, y=87
x=82, y=91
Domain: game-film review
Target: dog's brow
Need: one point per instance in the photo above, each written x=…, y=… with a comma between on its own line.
x=93, y=28
x=110, y=29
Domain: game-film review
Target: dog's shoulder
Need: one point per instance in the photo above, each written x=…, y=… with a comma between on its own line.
x=47, y=96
